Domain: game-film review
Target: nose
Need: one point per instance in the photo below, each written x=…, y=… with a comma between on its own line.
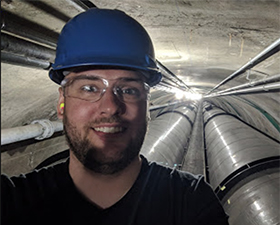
x=110, y=105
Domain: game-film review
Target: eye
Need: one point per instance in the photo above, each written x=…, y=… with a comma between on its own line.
x=89, y=88
x=131, y=91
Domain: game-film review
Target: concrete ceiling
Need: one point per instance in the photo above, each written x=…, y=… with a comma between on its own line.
x=201, y=42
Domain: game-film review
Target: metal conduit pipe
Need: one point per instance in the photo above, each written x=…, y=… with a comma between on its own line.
x=38, y=129
x=232, y=145
x=169, y=83
x=168, y=77
x=164, y=83
x=26, y=48
x=45, y=7
x=270, y=79
x=22, y=27
x=85, y=5
x=167, y=71
x=266, y=53
x=167, y=136
x=251, y=90
x=7, y=57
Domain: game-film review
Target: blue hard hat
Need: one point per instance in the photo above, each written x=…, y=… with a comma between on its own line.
x=105, y=38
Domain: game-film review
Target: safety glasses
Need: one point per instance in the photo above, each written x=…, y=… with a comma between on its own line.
x=91, y=88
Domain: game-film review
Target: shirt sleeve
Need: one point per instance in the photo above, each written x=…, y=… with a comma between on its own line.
x=25, y=193
x=209, y=210
x=7, y=198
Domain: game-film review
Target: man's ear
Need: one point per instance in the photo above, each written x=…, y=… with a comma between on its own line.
x=60, y=104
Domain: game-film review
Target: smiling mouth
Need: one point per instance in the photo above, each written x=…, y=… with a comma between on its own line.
x=109, y=130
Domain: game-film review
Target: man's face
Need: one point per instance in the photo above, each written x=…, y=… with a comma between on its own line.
x=105, y=135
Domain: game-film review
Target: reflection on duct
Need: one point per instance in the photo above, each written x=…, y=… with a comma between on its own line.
x=162, y=138
x=232, y=144
x=229, y=152
x=255, y=200
x=168, y=135
x=239, y=158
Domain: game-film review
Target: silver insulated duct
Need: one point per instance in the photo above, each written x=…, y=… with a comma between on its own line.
x=168, y=135
x=255, y=200
x=242, y=166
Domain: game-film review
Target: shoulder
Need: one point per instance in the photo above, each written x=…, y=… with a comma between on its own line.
x=40, y=177
x=181, y=182
x=176, y=180
x=174, y=174
x=33, y=193
x=19, y=192
x=188, y=193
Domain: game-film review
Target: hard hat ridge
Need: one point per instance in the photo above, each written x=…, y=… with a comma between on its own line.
x=104, y=37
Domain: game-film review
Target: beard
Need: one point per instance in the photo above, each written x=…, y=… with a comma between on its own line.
x=93, y=157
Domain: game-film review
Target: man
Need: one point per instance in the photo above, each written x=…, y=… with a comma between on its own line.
x=105, y=65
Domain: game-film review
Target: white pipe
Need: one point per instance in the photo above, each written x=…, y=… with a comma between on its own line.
x=251, y=84
x=41, y=129
x=266, y=53
x=262, y=88
x=38, y=129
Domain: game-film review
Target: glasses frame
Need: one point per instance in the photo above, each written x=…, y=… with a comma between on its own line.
x=66, y=82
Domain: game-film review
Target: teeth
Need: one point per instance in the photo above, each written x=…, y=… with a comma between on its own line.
x=109, y=129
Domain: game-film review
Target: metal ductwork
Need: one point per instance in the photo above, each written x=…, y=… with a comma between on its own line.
x=244, y=108
x=163, y=99
x=234, y=152
x=255, y=200
x=168, y=135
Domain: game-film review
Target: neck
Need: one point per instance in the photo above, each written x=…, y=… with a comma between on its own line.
x=103, y=190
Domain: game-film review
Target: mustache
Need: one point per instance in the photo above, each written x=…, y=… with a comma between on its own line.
x=111, y=119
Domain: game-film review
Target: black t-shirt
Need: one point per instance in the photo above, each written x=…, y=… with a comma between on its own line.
x=159, y=196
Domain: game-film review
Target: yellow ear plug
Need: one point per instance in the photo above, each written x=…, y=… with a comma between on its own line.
x=62, y=106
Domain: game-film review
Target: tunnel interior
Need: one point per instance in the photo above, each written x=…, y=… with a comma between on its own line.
x=225, y=126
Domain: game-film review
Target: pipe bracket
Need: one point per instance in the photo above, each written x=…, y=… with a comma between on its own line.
x=48, y=129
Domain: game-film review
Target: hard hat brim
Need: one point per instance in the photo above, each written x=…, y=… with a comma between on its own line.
x=152, y=76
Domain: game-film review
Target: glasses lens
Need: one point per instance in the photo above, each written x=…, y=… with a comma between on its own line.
x=131, y=91
x=86, y=89
x=92, y=88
